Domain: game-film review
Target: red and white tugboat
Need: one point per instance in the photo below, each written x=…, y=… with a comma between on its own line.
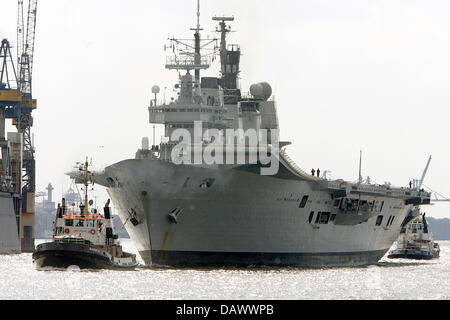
x=415, y=240
x=83, y=237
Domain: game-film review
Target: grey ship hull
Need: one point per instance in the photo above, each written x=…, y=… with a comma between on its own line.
x=242, y=218
x=9, y=238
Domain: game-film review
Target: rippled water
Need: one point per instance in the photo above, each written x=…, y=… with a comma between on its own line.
x=390, y=279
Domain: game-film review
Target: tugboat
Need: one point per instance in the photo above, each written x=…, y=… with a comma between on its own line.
x=415, y=240
x=83, y=237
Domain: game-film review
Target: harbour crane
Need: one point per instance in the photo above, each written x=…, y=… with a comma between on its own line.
x=23, y=119
x=10, y=98
x=18, y=174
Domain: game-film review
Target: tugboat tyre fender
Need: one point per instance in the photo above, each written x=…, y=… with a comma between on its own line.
x=67, y=230
x=92, y=231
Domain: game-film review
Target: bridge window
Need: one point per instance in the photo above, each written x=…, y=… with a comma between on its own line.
x=69, y=222
x=78, y=222
x=317, y=218
x=379, y=206
x=90, y=223
x=324, y=217
x=391, y=220
x=379, y=220
x=311, y=215
x=304, y=201
x=337, y=202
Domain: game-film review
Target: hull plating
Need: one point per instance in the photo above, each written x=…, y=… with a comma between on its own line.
x=235, y=217
x=413, y=254
x=245, y=259
x=63, y=255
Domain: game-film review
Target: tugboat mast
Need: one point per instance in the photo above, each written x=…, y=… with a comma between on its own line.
x=85, y=210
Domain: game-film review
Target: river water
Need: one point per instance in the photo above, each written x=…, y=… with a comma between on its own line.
x=389, y=280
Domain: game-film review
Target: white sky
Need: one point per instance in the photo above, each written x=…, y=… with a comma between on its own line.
x=347, y=76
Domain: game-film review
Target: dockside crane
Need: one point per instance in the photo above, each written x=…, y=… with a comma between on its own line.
x=18, y=166
x=23, y=119
x=10, y=98
x=11, y=144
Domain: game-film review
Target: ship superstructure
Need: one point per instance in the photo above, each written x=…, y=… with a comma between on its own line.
x=197, y=212
x=209, y=106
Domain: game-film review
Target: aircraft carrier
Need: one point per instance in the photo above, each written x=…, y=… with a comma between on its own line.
x=257, y=213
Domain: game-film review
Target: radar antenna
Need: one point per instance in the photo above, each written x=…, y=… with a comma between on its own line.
x=230, y=57
x=224, y=29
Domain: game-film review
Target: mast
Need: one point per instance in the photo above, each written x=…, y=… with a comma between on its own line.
x=189, y=57
x=230, y=60
x=85, y=210
x=223, y=36
x=197, y=44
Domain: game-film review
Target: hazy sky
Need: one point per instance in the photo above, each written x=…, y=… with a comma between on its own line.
x=347, y=76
